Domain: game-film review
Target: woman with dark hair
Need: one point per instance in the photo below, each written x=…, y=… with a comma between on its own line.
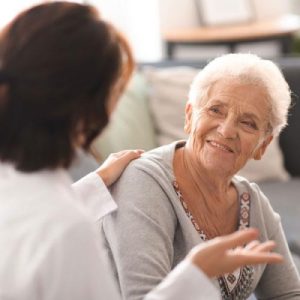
x=62, y=71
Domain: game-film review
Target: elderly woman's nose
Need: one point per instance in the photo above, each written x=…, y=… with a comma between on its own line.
x=227, y=128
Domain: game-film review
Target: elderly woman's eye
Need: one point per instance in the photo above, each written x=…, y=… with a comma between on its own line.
x=249, y=124
x=215, y=110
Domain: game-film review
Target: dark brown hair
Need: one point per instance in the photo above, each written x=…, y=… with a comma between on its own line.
x=60, y=65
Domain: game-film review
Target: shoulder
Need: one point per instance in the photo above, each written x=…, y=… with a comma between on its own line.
x=154, y=171
x=158, y=161
x=145, y=190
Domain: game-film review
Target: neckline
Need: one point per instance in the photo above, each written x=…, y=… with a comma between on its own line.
x=228, y=283
x=243, y=212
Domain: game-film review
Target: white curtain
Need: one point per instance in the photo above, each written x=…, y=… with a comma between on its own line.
x=139, y=21
x=10, y=8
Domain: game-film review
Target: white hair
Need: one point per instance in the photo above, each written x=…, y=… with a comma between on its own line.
x=247, y=68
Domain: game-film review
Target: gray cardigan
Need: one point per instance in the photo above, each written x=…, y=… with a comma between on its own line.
x=150, y=232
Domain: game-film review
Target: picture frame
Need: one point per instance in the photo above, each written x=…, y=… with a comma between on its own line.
x=225, y=12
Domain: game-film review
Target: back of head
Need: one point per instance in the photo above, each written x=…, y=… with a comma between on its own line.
x=249, y=69
x=59, y=66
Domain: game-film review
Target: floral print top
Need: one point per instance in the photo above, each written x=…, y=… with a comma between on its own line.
x=236, y=285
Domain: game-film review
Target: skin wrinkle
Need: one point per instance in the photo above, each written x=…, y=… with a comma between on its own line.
x=204, y=171
x=243, y=80
x=231, y=123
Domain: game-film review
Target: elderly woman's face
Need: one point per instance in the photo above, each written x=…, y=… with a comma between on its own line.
x=230, y=128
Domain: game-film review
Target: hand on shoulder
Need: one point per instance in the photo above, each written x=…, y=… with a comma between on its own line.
x=115, y=164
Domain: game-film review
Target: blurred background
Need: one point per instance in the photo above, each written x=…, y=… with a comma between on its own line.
x=150, y=24
x=172, y=40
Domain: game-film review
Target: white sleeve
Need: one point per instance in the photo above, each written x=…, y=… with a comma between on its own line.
x=94, y=195
x=75, y=268
x=186, y=282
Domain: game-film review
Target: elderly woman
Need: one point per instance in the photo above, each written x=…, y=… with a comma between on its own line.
x=187, y=192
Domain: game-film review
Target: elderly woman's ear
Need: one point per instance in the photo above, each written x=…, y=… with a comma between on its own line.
x=188, y=118
x=259, y=152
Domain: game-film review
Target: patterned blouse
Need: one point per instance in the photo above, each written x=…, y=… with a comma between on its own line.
x=235, y=285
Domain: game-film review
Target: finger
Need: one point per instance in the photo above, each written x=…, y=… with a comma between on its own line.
x=265, y=247
x=238, y=249
x=239, y=238
x=252, y=245
x=140, y=151
x=120, y=153
x=258, y=258
x=127, y=152
x=130, y=155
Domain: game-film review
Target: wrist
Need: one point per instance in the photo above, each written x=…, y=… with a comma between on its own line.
x=103, y=175
x=199, y=260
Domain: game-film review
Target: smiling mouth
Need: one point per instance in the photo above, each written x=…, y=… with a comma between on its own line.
x=220, y=146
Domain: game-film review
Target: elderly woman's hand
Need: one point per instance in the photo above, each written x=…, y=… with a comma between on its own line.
x=114, y=165
x=225, y=254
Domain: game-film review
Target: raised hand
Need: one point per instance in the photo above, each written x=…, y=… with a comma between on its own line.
x=114, y=165
x=225, y=254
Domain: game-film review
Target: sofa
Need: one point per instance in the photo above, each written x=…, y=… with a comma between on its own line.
x=151, y=113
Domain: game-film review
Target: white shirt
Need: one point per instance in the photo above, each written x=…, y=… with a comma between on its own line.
x=49, y=247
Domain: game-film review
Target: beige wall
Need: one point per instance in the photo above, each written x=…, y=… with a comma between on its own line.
x=184, y=14
x=178, y=13
x=270, y=8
